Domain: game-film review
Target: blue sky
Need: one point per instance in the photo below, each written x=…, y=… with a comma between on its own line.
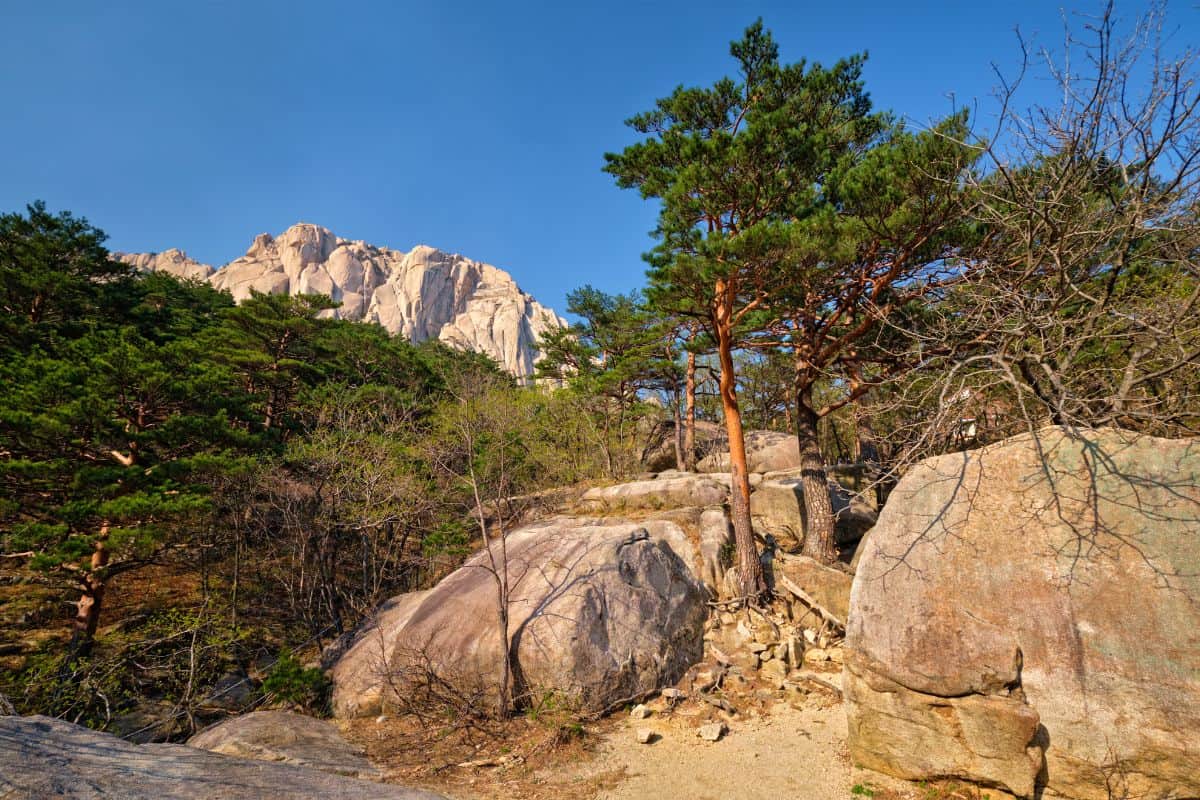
x=475, y=127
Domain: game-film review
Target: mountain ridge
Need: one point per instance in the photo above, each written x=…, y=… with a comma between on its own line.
x=425, y=293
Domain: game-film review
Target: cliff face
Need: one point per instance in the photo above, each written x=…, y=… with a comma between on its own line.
x=422, y=294
x=175, y=262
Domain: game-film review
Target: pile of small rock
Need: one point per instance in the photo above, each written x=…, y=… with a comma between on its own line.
x=753, y=657
x=776, y=647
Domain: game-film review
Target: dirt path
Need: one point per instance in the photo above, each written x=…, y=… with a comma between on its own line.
x=779, y=749
x=790, y=752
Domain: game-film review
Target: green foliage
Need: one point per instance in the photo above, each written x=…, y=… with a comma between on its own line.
x=557, y=712
x=172, y=656
x=613, y=350
x=143, y=417
x=727, y=554
x=734, y=162
x=449, y=540
x=292, y=682
x=184, y=651
x=616, y=356
x=54, y=274
x=85, y=690
x=793, y=216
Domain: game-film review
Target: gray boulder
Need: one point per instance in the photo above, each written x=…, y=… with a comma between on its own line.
x=288, y=738
x=600, y=613
x=42, y=757
x=1027, y=616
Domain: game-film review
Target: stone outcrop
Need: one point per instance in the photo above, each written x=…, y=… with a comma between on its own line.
x=766, y=451
x=422, y=294
x=1028, y=615
x=716, y=543
x=658, y=454
x=829, y=586
x=173, y=262
x=288, y=738
x=42, y=757
x=777, y=508
x=601, y=611
x=669, y=490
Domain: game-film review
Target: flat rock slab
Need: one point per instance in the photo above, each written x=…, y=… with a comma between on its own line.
x=289, y=738
x=43, y=757
x=829, y=586
x=678, y=490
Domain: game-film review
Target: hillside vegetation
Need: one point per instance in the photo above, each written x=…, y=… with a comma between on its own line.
x=210, y=484
x=925, y=396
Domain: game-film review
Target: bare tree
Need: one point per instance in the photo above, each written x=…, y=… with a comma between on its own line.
x=481, y=450
x=1079, y=302
x=345, y=516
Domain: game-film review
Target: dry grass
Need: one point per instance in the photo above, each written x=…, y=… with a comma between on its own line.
x=528, y=759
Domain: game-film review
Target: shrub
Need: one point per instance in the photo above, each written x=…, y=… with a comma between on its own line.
x=292, y=682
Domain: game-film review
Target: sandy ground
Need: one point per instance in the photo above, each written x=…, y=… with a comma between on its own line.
x=779, y=749
x=792, y=752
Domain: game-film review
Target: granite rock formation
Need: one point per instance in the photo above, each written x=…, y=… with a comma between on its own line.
x=288, y=738
x=173, y=262
x=601, y=612
x=422, y=294
x=1027, y=616
x=43, y=757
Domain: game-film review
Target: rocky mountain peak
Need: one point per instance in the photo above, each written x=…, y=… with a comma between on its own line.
x=425, y=293
x=172, y=261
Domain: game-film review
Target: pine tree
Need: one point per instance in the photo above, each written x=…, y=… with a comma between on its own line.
x=732, y=164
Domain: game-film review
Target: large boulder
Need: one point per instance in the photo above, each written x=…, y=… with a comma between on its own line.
x=42, y=757
x=716, y=546
x=766, y=451
x=708, y=543
x=600, y=612
x=288, y=738
x=828, y=586
x=1027, y=616
x=777, y=508
x=359, y=662
x=658, y=454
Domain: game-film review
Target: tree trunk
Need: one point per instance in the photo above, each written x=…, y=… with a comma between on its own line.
x=749, y=567
x=680, y=464
x=689, y=418
x=87, y=608
x=819, y=541
x=504, y=698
